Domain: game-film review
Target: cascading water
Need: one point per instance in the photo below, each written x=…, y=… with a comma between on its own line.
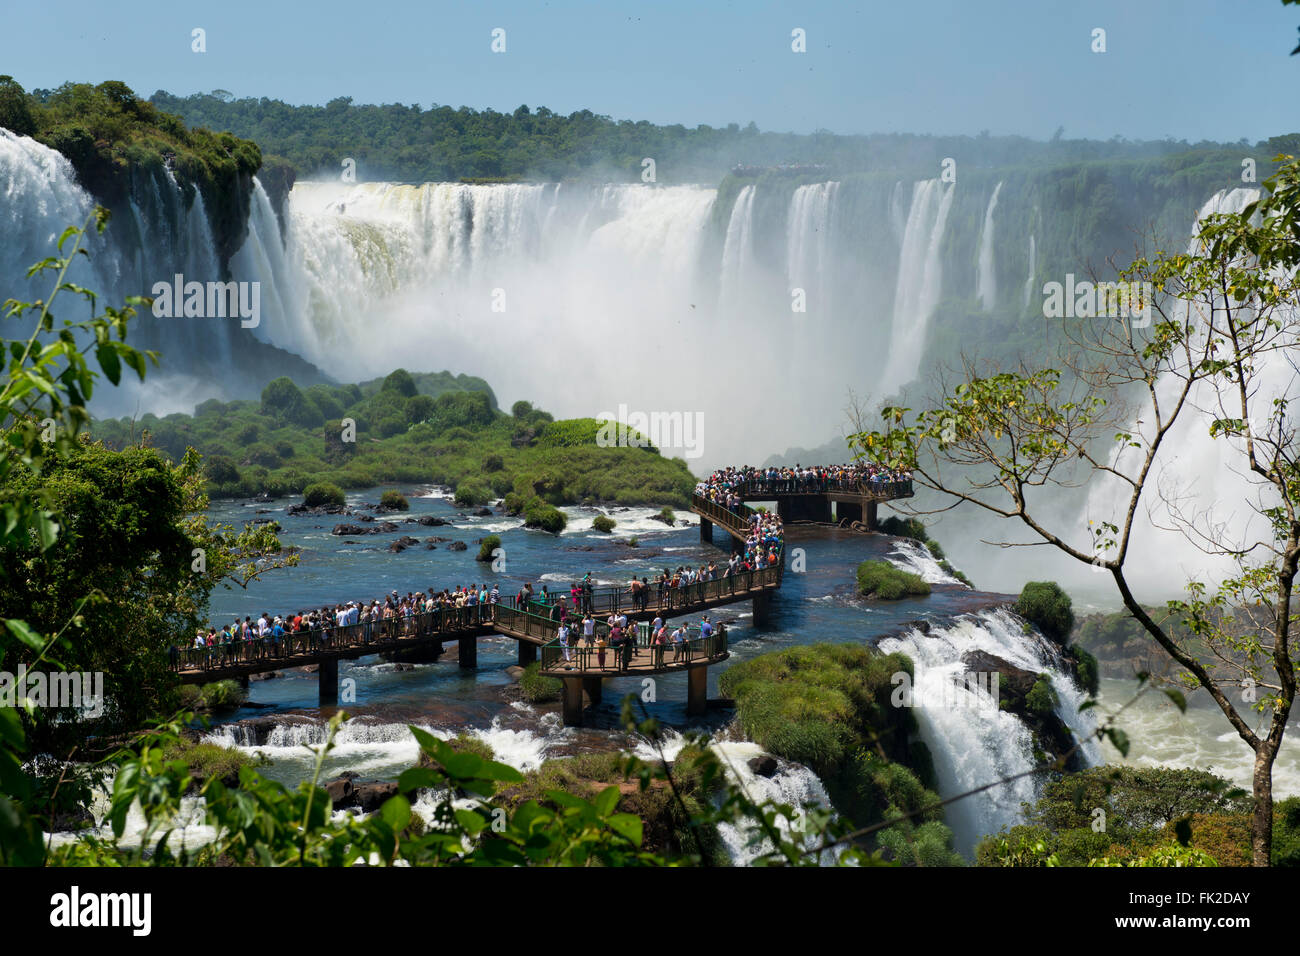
x=920, y=281
x=986, y=288
x=738, y=252
x=1033, y=267
x=809, y=241
x=973, y=742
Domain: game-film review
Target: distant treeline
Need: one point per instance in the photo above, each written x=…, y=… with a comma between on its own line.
x=408, y=143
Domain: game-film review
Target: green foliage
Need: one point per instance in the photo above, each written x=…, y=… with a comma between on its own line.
x=323, y=493
x=473, y=492
x=1046, y=606
x=667, y=517
x=394, y=501
x=880, y=579
x=538, y=688
x=936, y=551
x=603, y=523
x=829, y=707
x=1042, y=699
x=487, y=546
x=1085, y=670
x=282, y=400
x=905, y=528
x=400, y=383
x=1286, y=832
x=538, y=514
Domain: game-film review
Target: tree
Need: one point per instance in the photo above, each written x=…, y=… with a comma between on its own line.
x=1225, y=324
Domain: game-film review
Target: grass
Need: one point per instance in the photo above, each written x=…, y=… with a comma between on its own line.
x=537, y=688
x=880, y=579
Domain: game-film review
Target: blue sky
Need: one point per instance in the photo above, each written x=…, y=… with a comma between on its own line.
x=1187, y=69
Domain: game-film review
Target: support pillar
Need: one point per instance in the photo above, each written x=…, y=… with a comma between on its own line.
x=871, y=522
x=527, y=653
x=819, y=509
x=243, y=682
x=848, y=510
x=761, y=602
x=328, y=678
x=468, y=652
x=572, y=701
x=784, y=509
x=593, y=685
x=706, y=530
x=697, y=690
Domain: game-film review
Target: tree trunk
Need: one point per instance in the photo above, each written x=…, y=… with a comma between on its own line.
x=1261, y=828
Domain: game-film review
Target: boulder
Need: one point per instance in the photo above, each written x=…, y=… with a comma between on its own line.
x=341, y=790
x=429, y=521
x=764, y=765
x=483, y=513
x=457, y=546
x=369, y=797
x=268, y=675
x=349, y=529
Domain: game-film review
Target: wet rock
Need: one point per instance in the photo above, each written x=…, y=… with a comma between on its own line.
x=268, y=675
x=402, y=543
x=369, y=797
x=457, y=546
x=764, y=765
x=340, y=790
x=349, y=529
x=483, y=513
x=429, y=521
x=430, y=547
x=514, y=672
x=922, y=626
x=301, y=509
x=403, y=667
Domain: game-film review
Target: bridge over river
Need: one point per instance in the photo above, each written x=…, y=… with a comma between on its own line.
x=536, y=625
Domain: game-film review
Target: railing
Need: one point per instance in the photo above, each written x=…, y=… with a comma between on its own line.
x=760, y=487
x=587, y=656
x=737, y=519
x=442, y=620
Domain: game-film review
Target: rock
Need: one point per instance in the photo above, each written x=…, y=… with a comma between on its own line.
x=458, y=546
x=340, y=790
x=403, y=667
x=764, y=765
x=263, y=511
x=365, y=517
x=301, y=509
x=1013, y=682
x=430, y=547
x=436, y=540
x=268, y=675
x=514, y=672
x=311, y=669
x=349, y=529
x=922, y=626
x=369, y=797
x=402, y=543
x=483, y=513
x=429, y=521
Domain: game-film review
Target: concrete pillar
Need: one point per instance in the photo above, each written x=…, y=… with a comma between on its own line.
x=706, y=530
x=697, y=690
x=849, y=510
x=572, y=701
x=527, y=653
x=761, y=602
x=243, y=682
x=593, y=686
x=871, y=522
x=785, y=509
x=468, y=652
x=819, y=509
x=328, y=677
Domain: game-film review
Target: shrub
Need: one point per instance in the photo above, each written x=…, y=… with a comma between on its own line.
x=1042, y=698
x=1047, y=607
x=884, y=581
x=472, y=491
x=394, y=500
x=904, y=528
x=936, y=550
x=603, y=523
x=399, y=381
x=666, y=516
x=487, y=546
x=323, y=493
x=632, y=542
x=284, y=449
x=222, y=695
x=493, y=463
x=1085, y=669
x=536, y=687
x=221, y=469
x=538, y=514
x=261, y=454
x=1286, y=832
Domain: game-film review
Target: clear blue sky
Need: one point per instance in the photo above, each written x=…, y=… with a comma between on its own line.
x=1190, y=69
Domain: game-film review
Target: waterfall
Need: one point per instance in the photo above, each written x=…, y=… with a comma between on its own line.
x=974, y=744
x=738, y=252
x=920, y=281
x=1033, y=268
x=986, y=287
x=809, y=241
x=1206, y=475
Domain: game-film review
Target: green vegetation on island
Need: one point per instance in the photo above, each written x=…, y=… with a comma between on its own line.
x=423, y=428
x=881, y=580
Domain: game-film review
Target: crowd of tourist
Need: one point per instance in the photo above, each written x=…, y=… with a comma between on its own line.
x=857, y=476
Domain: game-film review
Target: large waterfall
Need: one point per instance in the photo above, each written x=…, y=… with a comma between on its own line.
x=987, y=287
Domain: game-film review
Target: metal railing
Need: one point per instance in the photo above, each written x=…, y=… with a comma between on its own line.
x=588, y=655
x=227, y=652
